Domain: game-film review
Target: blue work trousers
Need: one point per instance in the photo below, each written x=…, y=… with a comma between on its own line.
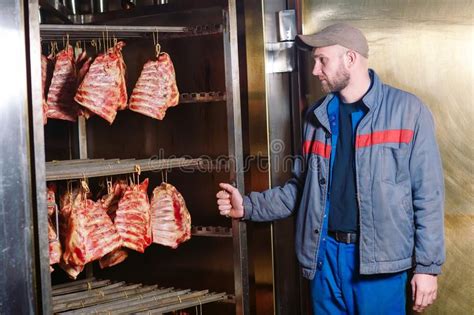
x=338, y=288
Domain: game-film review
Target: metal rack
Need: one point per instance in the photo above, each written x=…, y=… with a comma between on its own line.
x=50, y=32
x=103, y=296
x=76, y=29
x=80, y=168
x=77, y=169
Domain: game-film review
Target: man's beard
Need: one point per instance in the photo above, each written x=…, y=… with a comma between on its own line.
x=340, y=81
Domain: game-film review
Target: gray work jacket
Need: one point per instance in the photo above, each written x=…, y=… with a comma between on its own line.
x=399, y=181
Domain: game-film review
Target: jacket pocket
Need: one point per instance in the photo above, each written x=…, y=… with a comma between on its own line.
x=408, y=206
x=395, y=167
x=394, y=229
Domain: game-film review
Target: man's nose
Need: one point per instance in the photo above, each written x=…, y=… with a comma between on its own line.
x=316, y=70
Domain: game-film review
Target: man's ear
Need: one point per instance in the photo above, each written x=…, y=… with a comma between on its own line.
x=351, y=57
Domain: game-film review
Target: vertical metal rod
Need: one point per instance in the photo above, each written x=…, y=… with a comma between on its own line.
x=19, y=292
x=72, y=5
x=234, y=126
x=82, y=133
x=38, y=158
x=103, y=6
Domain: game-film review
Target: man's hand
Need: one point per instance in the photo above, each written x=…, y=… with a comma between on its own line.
x=424, y=288
x=230, y=201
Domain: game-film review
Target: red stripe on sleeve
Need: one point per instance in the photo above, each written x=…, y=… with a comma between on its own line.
x=386, y=136
x=318, y=148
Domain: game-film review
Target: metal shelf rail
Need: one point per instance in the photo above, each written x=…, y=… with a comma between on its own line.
x=76, y=32
x=211, y=231
x=50, y=32
x=85, y=168
x=202, y=97
x=102, y=296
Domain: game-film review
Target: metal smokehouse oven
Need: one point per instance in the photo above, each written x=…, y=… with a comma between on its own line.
x=141, y=109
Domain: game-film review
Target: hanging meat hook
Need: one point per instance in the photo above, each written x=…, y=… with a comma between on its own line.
x=164, y=175
x=155, y=42
x=108, y=181
x=138, y=171
x=95, y=45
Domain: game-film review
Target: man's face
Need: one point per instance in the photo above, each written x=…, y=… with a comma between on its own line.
x=330, y=68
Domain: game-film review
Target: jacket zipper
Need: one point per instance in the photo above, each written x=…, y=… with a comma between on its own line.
x=325, y=193
x=357, y=184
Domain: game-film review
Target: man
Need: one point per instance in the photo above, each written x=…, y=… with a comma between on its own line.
x=368, y=191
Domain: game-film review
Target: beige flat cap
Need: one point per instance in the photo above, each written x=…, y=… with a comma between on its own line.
x=336, y=34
